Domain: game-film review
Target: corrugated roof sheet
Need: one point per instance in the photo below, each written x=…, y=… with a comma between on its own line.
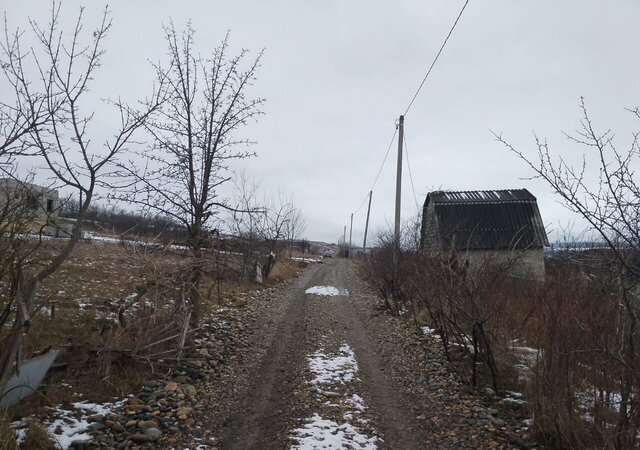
x=501, y=196
x=483, y=220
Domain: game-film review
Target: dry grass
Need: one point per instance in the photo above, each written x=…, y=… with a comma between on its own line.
x=7, y=436
x=284, y=270
x=37, y=438
x=94, y=277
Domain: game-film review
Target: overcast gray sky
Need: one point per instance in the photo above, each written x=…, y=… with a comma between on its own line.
x=338, y=73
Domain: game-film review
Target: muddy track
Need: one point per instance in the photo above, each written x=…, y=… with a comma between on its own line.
x=393, y=421
x=261, y=421
x=268, y=412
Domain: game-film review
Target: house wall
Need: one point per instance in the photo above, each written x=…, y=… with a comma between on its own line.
x=33, y=198
x=430, y=238
x=527, y=264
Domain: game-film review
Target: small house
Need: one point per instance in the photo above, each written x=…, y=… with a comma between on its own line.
x=499, y=225
x=35, y=206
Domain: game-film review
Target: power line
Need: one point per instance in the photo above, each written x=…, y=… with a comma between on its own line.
x=413, y=188
x=437, y=56
x=361, y=204
x=385, y=158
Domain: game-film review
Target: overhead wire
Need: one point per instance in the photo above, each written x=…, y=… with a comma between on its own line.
x=413, y=188
x=436, y=58
x=413, y=99
x=386, y=156
x=361, y=204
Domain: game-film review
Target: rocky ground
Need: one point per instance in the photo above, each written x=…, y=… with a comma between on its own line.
x=300, y=370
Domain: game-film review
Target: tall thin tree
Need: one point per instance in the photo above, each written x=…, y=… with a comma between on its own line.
x=195, y=138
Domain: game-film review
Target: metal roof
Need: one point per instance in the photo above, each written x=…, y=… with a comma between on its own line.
x=495, y=196
x=484, y=220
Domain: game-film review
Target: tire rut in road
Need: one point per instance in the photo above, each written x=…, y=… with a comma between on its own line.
x=261, y=421
x=396, y=425
x=393, y=420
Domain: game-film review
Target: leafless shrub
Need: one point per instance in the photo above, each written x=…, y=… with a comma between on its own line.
x=470, y=304
x=586, y=386
x=391, y=280
x=262, y=229
x=469, y=307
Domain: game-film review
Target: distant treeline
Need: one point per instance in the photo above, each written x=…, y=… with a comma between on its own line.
x=119, y=221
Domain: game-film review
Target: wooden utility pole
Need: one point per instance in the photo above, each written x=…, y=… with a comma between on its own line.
x=396, y=234
x=350, y=234
x=344, y=236
x=366, y=225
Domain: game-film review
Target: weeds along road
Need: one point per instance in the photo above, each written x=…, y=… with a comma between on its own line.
x=344, y=395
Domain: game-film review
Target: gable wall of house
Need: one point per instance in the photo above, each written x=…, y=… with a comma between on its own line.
x=430, y=237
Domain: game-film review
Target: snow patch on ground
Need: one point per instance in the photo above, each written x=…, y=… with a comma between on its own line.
x=307, y=260
x=70, y=424
x=526, y=359
x=320, y=433
x=427, y=331
x=357, y=402
x=329, y=291
x=333, y=369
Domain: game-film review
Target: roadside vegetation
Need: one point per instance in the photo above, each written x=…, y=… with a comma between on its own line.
x=149, y=253
x=569, y=344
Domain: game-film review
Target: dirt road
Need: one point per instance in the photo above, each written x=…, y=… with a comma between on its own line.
x=312, y=323
x=325, y=369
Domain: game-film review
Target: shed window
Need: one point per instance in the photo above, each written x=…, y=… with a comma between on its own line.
x=49, y=205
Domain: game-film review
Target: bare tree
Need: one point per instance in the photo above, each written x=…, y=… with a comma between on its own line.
x=48, y=126
x=195, y=139
x=280, y=221
x=17, y=118
x=609, y=203
x=296, y=226
x=244, y=223
x=262, y=227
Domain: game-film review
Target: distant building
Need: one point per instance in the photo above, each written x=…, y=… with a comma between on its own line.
x=358, y=252
x=486, y=225
x=36, y=206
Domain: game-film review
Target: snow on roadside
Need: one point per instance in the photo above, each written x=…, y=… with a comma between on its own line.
x=328, y=291
x=427, y=331
x=335, y=372
x=307, y=260
x=69, y=425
